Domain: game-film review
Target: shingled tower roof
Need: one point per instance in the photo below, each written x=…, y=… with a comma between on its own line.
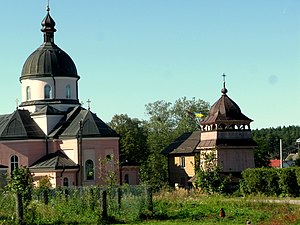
x=225, y=111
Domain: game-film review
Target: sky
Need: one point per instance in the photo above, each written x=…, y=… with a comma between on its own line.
x=129, y=53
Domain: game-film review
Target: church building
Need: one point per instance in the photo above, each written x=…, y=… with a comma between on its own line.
x=50, y=132
x=225, y=131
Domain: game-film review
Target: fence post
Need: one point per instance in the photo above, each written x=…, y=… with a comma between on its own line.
x=19, y=208
x=103, y=206
x=149, y=198
x=119, y=193
x=46, y=196
x=92, y=203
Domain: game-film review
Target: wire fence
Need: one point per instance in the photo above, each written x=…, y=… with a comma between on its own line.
x=79, y=205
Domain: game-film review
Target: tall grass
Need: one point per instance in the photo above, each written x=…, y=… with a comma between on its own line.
x=82, y=206
x=183, y=206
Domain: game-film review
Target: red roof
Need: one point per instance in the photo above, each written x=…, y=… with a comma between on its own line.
x=275, y=163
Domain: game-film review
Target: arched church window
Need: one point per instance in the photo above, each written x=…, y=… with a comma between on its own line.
x=89, y=169
x=66, y=182
x=14, y=163
x=68, y=91
x=28, y=93
x=47, y=91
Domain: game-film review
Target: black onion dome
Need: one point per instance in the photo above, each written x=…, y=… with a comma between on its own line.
x=49, y=59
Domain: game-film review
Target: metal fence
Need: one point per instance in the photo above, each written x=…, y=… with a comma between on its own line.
x=83, y=205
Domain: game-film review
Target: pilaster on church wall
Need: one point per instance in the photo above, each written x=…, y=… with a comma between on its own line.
x=97, y=149
x=70, y=148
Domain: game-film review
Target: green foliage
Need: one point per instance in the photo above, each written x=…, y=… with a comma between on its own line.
x=109, y=170
x=133, y=142
x=209, y=178
x=260, y=181
x=166, y=122
x=288, y=182
x=21, y=182
x=271, y=181
x=142, y=141
x=268, y=143
x=44, y=182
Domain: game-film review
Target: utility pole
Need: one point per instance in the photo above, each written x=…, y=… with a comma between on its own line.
x=280, y=153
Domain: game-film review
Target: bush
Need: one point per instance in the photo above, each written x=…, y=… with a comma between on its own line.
x=288, y=182
x=271, y=181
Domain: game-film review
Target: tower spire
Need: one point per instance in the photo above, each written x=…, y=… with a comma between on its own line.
x=48, y=26
x=224, y=90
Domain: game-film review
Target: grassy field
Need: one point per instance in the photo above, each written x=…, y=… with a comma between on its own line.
x=181, y=207
x=169, y=207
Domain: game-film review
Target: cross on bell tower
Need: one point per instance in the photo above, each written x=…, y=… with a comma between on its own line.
x=224, y=90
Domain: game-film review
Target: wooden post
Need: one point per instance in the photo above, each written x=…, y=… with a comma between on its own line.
x=19, y=208
x=149, y=198
x=92, y=203
x=46, y=196
x=103, y=206
x=119, y=193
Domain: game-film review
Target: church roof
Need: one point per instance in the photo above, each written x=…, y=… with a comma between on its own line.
x=19, y=125
x=225, y=110
x=49, y=60
x=48, y=110
x=82, y=121
x=184, y=144
x=54, y=161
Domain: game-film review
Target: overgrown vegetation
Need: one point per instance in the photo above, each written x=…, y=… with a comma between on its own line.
x=268, y=143
x=143, y=140
x=81, y=206
x=209, y=178
x=271, y=182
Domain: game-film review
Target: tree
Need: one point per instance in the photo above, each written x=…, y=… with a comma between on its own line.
x=209, y=178
x=268, y=143
x=133, y=142
x=166, y=122
x=21, y=183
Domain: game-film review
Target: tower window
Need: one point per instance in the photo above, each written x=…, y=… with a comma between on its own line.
x=89, y=169
x=14, y=163
x=68, y=91
x=47, y=91
x=28, y=93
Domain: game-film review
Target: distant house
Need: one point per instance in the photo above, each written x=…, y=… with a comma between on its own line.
x=289, y=161
x=225, y=131
x=181, y=159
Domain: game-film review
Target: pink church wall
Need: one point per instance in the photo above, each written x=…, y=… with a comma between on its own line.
x=28, y=152
x=99, y=149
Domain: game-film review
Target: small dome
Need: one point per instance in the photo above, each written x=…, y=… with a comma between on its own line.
x=49, y=60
